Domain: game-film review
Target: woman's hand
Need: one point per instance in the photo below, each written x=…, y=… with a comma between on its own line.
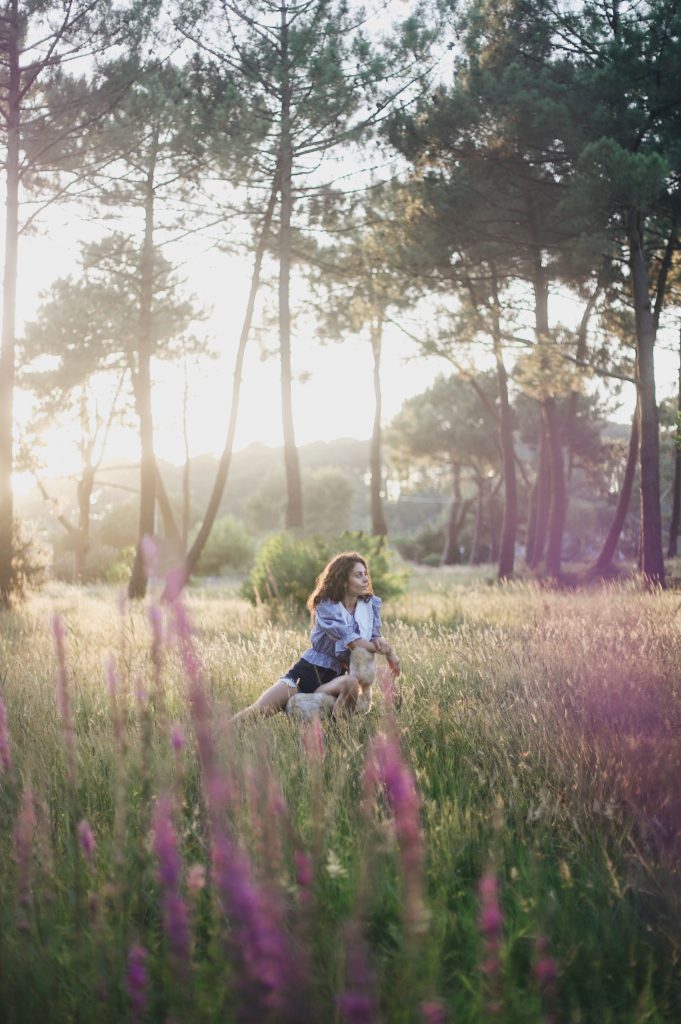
x=381, y=645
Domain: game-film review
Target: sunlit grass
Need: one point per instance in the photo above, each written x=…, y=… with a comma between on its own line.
x=542, y=728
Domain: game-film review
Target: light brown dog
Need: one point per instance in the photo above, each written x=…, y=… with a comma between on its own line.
x=363, y=667
x=305, y=706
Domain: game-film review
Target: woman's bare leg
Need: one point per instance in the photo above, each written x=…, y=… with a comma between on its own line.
x=274, y=699
x=345, y=689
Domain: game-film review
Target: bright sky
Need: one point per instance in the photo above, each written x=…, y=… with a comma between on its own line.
x=335, y=401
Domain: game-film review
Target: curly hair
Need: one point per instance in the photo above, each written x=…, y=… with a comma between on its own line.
x=330, y=584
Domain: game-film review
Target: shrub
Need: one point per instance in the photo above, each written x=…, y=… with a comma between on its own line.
x=287, y=567
x=229, y=546
x=425, y=546
x=28, y=562
x=120, y=569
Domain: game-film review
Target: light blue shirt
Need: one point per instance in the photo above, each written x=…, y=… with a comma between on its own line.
x=333, y=629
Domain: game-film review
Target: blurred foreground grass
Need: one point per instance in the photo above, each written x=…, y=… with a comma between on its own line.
x=543, y=731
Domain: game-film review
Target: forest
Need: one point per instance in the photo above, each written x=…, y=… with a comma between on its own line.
x=498, y=186
x=321, y=312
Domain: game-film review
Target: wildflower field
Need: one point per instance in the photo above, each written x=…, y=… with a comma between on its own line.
x=499, y=839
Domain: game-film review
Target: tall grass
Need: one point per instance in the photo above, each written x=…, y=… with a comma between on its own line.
x=498, y=840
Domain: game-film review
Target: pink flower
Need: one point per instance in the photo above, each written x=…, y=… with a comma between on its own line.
x=386, y=766
x=86, y=840
x=177, y=740
x=196, y=879
x=137, y=980
x=63, y=700
x=545, y=971
x=5, y=750
x=175, y=917
x=433, y=1012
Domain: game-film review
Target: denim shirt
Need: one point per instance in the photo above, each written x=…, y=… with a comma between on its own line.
x=333, y=629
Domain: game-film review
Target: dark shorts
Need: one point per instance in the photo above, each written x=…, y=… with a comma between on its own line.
x=310, y=676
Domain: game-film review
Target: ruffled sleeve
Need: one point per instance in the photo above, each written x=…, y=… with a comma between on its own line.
x=337, y=624
x=376, y=608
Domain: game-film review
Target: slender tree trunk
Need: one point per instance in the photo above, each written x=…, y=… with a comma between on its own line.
x=7, y=358
x=179, y=580
x=652, y=560
x=493, y=520
x=609, y=548
x=379, y=527
x=539, y=511
x=455, y=519
x=294, y=490
x=551, y=418
x=675, y=520
x=474, y=555
x=137, y=586
x=170, y=528
x=572, y=404
x=509, y=528
x=84, y=490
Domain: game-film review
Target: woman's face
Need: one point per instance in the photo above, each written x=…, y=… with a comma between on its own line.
x=358, y=581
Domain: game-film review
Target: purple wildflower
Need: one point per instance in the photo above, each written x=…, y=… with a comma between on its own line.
x=545, y=974
x=490, y=922
x=177, y=740
x=5, y=749
x=390, y=770
x=63, y=699
x=137, y=980
x=433, y=1012
x=357, y=1004
x=196, y=880
x=86, y=840
x=175, y=917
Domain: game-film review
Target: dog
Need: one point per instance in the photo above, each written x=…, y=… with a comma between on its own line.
x=306, y=706
x=363, y=667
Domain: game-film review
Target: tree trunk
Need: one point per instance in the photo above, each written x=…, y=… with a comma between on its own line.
x=455, y=521
x=178, y=582
x=607, y=554
x=573, y=398
x=84, y=490
x=675, y=520
x=474, y=555
x=550, y=416
x=493, y=519
x=137, y=586
x=379, y=526
x=557, y=501
x=509, y=528
x=7, y=357
x=539, y=506
x=652, y=560
x=294, y=491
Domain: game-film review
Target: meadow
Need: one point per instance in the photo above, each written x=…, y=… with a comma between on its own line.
x=499, y=839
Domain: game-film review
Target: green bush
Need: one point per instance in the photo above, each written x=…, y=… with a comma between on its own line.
x=229, y=546
x=120, y=569
x=286, y=567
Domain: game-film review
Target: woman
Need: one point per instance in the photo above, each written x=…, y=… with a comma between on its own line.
x=345, y=614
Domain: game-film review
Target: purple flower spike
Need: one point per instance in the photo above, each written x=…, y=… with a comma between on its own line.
x=150, y=555
x=175, y=916
x=491, y=923
x=86, y=840
x=313, y=739
x=5, y=749
x=433, y=1012
x=177, y=740
x=137, y=981
x=63, y=700
x=357, y=1005
x=398, y=782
